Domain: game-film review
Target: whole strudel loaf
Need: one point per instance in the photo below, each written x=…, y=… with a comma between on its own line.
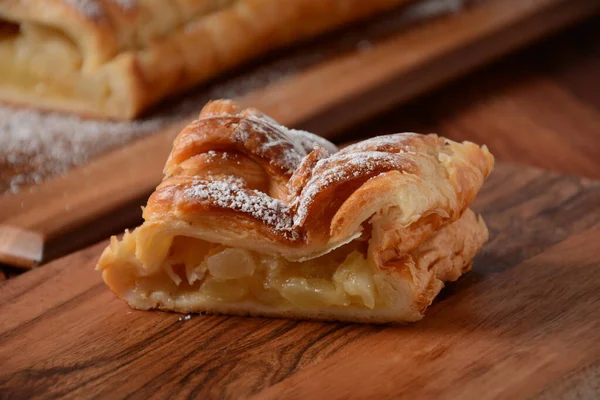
x=114, y=58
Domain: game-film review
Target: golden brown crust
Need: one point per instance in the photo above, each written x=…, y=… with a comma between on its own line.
x=136, y=52
x=314, y=201
x=238, y=179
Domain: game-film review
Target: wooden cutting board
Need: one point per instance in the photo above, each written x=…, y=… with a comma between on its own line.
x=525, y=322
x=329, y=95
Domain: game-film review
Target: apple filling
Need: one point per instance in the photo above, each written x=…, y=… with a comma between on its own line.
x=198, y=271
x=42, y=61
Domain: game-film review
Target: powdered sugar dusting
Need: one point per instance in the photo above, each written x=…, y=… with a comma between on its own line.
x=88, y=8
x=95, y=8
x=380, y=143
x=343, y=166
x=309, y=140
x=340, y=168
x=286, y=148
x=274, y=138
x=274, y=213
x=228, y=179
x=126, y=5
x=213, y=155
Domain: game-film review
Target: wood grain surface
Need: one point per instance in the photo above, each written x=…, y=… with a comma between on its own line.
x=525, y=322
x=540, y=107
x=327, y=97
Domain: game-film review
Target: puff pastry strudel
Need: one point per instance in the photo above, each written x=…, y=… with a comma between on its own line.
x=253, y=218
x=114, y=58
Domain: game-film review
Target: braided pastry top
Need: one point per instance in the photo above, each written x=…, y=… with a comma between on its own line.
x=241, y=179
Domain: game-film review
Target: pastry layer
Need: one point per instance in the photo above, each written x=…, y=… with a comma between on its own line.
x=255, y=218
x=108, y=58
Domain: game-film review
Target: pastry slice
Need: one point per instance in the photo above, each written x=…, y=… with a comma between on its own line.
x=253, y=218
x=114, y=58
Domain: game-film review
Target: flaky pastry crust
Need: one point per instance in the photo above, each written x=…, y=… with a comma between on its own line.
x=114, y=58
x=387, y=218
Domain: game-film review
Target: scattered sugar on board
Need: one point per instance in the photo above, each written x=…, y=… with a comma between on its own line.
x=36, y=145
x=185, y=318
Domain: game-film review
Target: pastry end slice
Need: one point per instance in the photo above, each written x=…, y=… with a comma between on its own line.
x=252, y=218
x=115, y=59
